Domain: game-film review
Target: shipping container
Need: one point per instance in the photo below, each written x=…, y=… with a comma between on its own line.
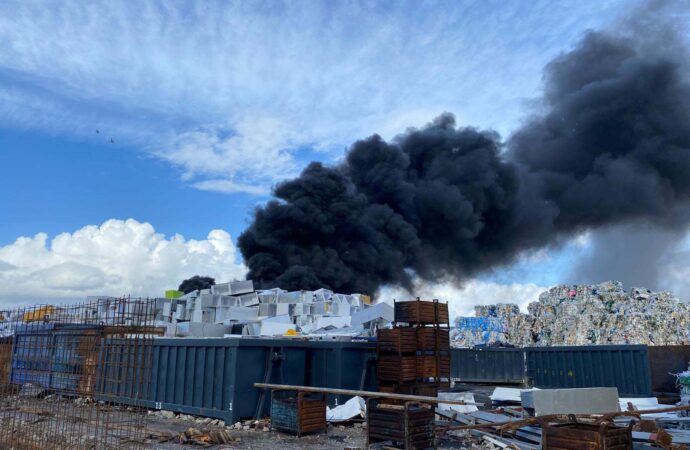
x=488, y=365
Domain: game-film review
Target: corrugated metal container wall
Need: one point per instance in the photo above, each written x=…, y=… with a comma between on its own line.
x=623, y=366
x=215, y=377
x=491, y=365
x=342, y=365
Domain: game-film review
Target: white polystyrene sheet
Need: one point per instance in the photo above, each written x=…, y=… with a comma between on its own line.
x=378, y=311
x=467, y=397
x=352, y=409
x=504, y=394
x=275, y=326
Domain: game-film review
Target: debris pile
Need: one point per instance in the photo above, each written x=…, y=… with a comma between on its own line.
x=236, y=308
x=581, y=315
x=534, y=419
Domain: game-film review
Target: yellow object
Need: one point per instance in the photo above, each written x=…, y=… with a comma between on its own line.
x=291, y=332
x=173, y=294
x=39, y=314
x=366, y=299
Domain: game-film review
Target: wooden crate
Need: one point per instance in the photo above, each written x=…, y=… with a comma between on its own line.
x=396, y=368
x=397, y=340
x=298, y=413
x=421, y=312
x=432, y=338
x=410, y=425
x=432, y=366
x=579, y=436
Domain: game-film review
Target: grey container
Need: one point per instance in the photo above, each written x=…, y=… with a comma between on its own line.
x=342, y=365
x=625, y=367
x=215, y=377
x=488, y=365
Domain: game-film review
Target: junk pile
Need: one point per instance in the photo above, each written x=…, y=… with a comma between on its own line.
x=236, y=308
x=580, y=315
x=593, y=418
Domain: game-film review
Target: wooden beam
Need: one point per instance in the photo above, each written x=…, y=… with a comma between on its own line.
x=370, y=394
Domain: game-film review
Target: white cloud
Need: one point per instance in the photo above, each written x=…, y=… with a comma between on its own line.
x=235, y=92
x=255, y=155
x=462, y=298
x=116, y=258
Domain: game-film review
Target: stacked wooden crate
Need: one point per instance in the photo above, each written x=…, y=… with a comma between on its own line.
x=414, y=356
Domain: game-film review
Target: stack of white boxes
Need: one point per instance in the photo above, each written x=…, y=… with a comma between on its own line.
x=237, y=303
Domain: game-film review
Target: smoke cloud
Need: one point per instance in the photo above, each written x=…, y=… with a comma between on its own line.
x=611, y=145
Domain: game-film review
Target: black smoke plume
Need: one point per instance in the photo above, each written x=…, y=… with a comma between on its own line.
x=611, y=145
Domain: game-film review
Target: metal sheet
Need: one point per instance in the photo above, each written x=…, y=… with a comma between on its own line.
x=625, y=367
x=664, y=361
x=491, y=365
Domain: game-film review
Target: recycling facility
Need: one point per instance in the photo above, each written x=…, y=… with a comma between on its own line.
x=88, y=375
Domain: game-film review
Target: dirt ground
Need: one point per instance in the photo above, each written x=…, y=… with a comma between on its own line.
x=60, y=422
x=350, y=436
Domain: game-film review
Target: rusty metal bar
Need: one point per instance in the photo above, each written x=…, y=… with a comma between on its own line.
x=368, y=394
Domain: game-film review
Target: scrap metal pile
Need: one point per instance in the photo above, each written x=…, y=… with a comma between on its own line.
x=237, y=308
x=569, y=419
x=580, y=315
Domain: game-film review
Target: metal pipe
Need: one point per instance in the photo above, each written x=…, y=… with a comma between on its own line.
x=370, y=394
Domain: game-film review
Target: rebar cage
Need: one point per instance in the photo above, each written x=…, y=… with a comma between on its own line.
x=66, y=371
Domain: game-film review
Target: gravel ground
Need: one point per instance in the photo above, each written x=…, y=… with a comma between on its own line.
x=40, y=419
x=337, y=438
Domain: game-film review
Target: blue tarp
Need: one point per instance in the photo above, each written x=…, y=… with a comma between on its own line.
x=483, y=325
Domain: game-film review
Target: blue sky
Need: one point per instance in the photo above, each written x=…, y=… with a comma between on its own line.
x=209, y=104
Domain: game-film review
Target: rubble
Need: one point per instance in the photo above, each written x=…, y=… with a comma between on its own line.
x=580, y=315
x=194, y=436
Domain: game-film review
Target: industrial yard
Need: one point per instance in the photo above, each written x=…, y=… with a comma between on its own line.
x=345, y=225
x=114, y=373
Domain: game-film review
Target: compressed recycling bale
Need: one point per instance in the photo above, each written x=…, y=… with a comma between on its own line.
x=585, y=315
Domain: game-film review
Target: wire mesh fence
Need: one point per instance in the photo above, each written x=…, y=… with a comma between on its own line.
x=74, y=376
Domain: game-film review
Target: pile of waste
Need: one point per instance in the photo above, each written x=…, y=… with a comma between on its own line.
x=532, y=419
x=236, y=308
x=582, y=315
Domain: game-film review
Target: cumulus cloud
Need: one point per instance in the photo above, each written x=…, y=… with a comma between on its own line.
x=119, y=257
x=233, y=93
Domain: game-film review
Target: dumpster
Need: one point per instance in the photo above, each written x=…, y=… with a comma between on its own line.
x=215, y=377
